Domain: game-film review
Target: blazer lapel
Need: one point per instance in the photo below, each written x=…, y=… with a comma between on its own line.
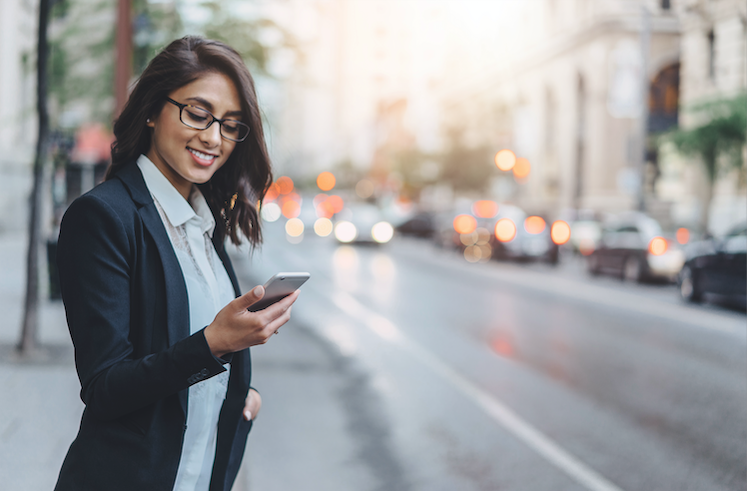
x=177, y=303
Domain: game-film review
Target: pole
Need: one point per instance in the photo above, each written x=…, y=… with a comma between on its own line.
x=645, y=46
x=123, y=68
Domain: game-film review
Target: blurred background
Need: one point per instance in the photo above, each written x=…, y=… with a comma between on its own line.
x=526, y=224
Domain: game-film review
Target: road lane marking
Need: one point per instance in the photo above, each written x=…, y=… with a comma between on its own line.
x=543, y=445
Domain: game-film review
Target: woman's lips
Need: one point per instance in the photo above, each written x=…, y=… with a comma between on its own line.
x=201, y=158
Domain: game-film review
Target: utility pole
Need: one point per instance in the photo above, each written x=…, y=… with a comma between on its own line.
x=123, y=63
x=642, y=150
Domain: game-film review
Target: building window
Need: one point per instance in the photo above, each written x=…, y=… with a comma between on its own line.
x=711, y=55
x=666, y=4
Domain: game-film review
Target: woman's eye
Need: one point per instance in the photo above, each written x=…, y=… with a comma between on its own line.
x=231, y=126
x=196, y=116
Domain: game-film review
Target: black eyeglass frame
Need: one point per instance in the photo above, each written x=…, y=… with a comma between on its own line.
x=214, y=120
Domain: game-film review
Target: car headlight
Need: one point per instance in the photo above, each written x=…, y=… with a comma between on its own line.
x=345, y=231
x=382, y=232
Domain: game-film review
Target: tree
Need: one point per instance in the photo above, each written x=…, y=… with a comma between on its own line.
x=720, y=139
x=28, y=340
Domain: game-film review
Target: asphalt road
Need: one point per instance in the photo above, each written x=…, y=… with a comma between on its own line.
x=407, y=368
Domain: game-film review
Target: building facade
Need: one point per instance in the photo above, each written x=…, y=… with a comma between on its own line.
x=18, y=32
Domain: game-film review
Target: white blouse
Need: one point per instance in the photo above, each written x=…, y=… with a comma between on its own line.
x=190, y=227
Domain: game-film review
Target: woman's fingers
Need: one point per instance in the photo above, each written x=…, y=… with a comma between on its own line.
x=250, y=298
x=252, y=405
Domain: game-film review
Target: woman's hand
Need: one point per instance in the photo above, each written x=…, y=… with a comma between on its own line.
x=235, y=328
x=252, y=405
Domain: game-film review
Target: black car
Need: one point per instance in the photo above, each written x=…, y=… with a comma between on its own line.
x=421, y=225
x=716, y=266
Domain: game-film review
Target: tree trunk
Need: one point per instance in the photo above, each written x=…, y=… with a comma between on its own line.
x=28, y=341
x=710, y=162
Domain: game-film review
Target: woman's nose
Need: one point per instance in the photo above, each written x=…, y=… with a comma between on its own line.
x=211, y=135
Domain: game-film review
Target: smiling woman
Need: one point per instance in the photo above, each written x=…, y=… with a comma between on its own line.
x=161, y=339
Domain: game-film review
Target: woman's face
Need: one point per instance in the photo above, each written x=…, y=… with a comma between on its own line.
x=185, y=155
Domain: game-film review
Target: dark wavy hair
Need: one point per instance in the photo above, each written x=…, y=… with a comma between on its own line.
x=247, y=173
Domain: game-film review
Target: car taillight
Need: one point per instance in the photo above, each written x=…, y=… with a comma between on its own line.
x=657, y=246
x=560, y=232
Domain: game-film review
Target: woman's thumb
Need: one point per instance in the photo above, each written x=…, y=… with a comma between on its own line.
x=252, y=296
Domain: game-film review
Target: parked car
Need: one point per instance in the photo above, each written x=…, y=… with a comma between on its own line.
x=362, y=223
x=717, y=266
x=422, y=224
x=528, y=244
x=585, y=236
x=633, y=247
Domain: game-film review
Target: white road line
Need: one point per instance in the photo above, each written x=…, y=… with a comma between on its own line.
x=545, y=446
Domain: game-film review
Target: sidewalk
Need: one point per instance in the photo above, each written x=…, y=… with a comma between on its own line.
x=39, y=407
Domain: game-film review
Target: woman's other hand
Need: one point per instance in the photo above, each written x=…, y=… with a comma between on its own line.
x=252, y=405
x=235, y=328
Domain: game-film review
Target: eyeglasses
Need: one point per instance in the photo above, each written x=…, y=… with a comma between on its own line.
x=200, y=119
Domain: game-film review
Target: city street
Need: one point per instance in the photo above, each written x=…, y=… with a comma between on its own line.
x=406, y=368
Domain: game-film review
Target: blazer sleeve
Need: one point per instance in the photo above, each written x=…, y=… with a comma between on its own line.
x=95, y=253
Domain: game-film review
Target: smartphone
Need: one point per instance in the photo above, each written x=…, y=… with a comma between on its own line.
x=278, y=287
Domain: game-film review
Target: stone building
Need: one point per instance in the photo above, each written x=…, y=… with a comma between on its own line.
x=713, y=66
x=18, y=31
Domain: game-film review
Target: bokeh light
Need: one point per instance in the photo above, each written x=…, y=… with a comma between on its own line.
x=270, y=212
x=469, y=239
x=345, y=231
x=505, y=230
x=323, y=227
x=505, y=160
x=326, y=181
x=683, y=235
x=560, y=232
x=364, y=189
x=534, y=225
x=291, y=209
x=336, y=203
x=478, y=253
x=272, y=193
x=284, y=184
x=382, y=232
x=657, y=246
x=465, y=224
x=320, y=198
x=522, y=169
x=485, y=208
x=294, y=227
x=325, y=209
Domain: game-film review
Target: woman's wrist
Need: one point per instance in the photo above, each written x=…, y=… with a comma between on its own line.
x=214, y=342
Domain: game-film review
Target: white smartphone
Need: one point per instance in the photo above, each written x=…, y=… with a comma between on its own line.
x=278, y=287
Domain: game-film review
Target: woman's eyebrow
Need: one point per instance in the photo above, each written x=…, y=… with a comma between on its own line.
x=209, y=106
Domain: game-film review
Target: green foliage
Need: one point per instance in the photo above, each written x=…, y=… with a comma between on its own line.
x=724, y=133
x=81, y=64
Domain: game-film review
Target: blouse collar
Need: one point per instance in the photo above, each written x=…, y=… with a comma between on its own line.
x=177, y=209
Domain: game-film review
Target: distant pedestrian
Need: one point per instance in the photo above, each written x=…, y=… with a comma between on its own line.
x=161, y=341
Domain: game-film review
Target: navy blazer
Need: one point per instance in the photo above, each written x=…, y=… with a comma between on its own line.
x=128, y=314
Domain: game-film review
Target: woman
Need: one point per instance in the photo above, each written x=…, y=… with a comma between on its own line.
x=161, y=341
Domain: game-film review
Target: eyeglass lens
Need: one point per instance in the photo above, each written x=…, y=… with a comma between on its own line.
x=201, y=119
